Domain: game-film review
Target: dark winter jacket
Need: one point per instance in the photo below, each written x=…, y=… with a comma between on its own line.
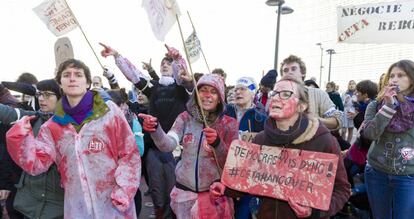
x=40, y=196
x=10, y=172
x=166, y=102
x=37, y=196
x=253, y=115
x=336, y=99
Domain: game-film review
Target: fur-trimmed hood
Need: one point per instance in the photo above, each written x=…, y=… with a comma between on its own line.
x=216, y=82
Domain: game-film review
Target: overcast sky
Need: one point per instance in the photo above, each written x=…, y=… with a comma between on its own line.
x=236, y=35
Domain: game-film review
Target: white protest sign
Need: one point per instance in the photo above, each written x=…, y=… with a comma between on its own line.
x=387, y=22
x=247, y=136
x=192, y=43
x=161, y=14
x=57, y=16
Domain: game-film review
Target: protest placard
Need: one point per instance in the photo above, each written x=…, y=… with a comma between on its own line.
x=386, y=22
x=247, y=136
x=192, y=43
x=63, y=51
x=57, y=16
x=162, y=15
x=306, y=176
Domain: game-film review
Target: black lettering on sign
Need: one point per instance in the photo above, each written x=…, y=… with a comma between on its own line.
x=380, y=9
x=292, y=163
x=312, y=166
x=396, y=25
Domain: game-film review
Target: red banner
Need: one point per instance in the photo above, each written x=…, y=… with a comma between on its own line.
x=306, y=176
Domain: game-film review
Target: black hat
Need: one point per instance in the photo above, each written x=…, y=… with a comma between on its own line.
x=269, y=79
x=311, y=82
x=49, y=85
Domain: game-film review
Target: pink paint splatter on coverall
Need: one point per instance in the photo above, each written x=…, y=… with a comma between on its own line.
x=100, y=166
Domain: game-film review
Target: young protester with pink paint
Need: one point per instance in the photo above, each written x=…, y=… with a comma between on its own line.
x=92, y=145
x=290, y=126
x=167, y=99
x=204, y=150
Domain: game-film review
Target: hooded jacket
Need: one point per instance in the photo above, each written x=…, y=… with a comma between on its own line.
x=197, y=168
x=99, y=164
x=306, y=134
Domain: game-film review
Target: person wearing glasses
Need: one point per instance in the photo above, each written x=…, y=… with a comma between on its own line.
x=38, y=196
x=320, y=105
x=92, y=144
x=291, y=126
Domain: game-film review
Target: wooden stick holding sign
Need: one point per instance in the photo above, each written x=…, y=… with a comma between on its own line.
x=196, y=92
x=201, y=49
x=84, y=35
x=191, y=73
x=306, y=176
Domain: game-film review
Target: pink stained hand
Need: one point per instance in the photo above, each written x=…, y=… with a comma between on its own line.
x=173, y=53
x=25, y=125
x=107, y=51
x=211, y=135
x=217, y=190
x=301, y=211
x=150, y=122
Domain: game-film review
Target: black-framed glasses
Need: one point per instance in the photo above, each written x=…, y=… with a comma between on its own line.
x=45, y=94
x=283, y=94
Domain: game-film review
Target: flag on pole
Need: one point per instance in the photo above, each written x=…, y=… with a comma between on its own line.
x=193, y=47
x=57, y=16
x=161, y=14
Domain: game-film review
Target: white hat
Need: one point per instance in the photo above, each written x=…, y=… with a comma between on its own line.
x=247, y=82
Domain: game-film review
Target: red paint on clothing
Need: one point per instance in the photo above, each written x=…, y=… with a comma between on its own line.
x=188, y=138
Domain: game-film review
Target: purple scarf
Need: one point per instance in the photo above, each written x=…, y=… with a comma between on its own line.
x=80, y=111
x=403, y=118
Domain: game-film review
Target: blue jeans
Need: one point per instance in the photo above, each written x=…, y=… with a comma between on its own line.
x=390, y=196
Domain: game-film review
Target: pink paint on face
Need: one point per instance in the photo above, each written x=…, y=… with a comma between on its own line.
x=209, y=98
x=280, y=109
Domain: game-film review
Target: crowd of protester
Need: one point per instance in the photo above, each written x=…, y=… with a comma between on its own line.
x=72, y=148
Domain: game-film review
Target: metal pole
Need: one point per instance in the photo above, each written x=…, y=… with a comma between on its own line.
x=330, y=61
x=279, y=11
x=320, y=73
